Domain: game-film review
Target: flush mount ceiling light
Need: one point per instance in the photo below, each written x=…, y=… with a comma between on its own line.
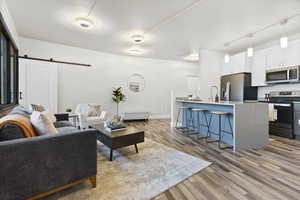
x=85, y=22
x=135, y=50
x=192, y=57
x=137, y=39
x=227, y=58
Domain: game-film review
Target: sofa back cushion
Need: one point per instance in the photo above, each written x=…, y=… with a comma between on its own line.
x=89, y=109
x=20, y=110
x=94, y=110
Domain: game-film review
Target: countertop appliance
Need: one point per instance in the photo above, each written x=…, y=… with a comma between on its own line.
x=283, y=75
x=285, y=108
x=237, y=87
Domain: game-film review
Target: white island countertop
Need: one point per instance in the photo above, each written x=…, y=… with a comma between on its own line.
x=230, y=103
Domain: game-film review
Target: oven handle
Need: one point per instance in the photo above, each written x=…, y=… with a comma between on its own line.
x=283, y=105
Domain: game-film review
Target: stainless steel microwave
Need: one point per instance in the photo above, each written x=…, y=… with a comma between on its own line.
x=283, y=75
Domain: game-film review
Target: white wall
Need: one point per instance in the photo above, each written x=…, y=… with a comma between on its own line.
x=9, y=20
x=83, y=85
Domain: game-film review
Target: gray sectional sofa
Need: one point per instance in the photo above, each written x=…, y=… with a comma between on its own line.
x=37, y=166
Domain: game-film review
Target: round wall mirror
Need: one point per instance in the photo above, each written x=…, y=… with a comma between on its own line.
x=136, y=83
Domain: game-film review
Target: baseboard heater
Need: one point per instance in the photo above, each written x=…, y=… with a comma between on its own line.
x=136, y=116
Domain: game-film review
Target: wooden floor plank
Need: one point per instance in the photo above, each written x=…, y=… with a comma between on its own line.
x=272, y=172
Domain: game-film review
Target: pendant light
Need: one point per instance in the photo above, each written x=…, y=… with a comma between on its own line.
x=250, y=50
x=284, y=40
x=227, y=58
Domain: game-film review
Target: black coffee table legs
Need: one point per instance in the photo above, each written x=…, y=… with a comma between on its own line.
x=112, y=152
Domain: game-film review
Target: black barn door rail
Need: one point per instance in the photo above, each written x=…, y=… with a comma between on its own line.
x=55, y=61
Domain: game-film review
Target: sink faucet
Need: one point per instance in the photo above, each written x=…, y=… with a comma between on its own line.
x=211, y=93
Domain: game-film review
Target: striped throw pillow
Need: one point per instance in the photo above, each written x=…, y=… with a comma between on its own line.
x=39, y=108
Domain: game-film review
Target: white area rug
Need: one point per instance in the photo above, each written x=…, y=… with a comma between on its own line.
x=140, y=176
x=271, y=140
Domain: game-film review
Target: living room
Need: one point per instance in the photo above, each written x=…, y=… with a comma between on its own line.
x=161, y=100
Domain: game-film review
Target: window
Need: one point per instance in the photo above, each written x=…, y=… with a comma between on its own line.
x=8, y=69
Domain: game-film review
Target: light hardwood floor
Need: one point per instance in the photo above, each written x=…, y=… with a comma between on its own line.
x=270, y=173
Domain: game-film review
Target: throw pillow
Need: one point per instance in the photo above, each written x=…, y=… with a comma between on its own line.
x=94, y=110
x=49, y=115
x=21, y=111
x=42, y=124
x=36, y=107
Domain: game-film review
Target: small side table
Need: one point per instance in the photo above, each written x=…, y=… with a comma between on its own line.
x=74, y=118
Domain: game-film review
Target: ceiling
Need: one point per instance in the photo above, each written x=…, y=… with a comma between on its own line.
x=172, y=30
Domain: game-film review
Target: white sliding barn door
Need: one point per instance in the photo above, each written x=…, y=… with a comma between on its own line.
x=38, y=83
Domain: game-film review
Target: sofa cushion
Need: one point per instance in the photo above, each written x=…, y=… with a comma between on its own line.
x=67, y=129
x=60, y=124
x=94, y=110
x=36, y=107
x=20, y=110
x=11, y=132
x=42, y=123
x=49, y=115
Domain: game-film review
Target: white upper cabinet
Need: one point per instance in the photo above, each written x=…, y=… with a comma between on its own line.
x=237, y=64
x=259, y=67
x=291, y=55
x=275, y=58
x=278, y=57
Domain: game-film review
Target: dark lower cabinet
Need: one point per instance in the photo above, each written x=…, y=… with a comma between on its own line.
x=297, y=124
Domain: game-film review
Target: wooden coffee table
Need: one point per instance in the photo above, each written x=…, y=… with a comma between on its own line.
x=119, y=139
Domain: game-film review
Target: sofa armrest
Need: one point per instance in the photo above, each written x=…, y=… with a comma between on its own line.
x=36, y=165
x=62, y=117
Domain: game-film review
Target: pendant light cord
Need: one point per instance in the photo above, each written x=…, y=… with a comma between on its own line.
x=92, y=8
x=170, y=18
x=261, y=30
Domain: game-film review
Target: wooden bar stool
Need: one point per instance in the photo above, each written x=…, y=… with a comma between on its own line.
x=186, y=116
x=221, y=131
x=201, y=122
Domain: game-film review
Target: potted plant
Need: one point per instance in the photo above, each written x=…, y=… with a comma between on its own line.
x=118, y=97
x=68, y=110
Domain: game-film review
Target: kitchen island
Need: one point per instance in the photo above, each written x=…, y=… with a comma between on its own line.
x=249, y=121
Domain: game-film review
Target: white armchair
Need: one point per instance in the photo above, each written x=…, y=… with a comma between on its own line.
x=84, y=115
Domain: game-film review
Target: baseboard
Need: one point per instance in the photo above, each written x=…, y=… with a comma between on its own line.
x=160, y=116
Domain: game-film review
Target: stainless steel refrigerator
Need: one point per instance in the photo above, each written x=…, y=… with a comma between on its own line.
x=237, y=87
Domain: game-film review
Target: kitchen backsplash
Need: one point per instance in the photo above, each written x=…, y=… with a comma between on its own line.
x=277, y=87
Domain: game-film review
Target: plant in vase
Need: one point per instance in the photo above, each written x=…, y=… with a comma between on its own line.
x=118, y=97
x=68, y=110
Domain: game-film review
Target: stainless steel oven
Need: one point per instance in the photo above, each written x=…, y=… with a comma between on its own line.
x=283, y=75
x=283, y=124
x=284, y=113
